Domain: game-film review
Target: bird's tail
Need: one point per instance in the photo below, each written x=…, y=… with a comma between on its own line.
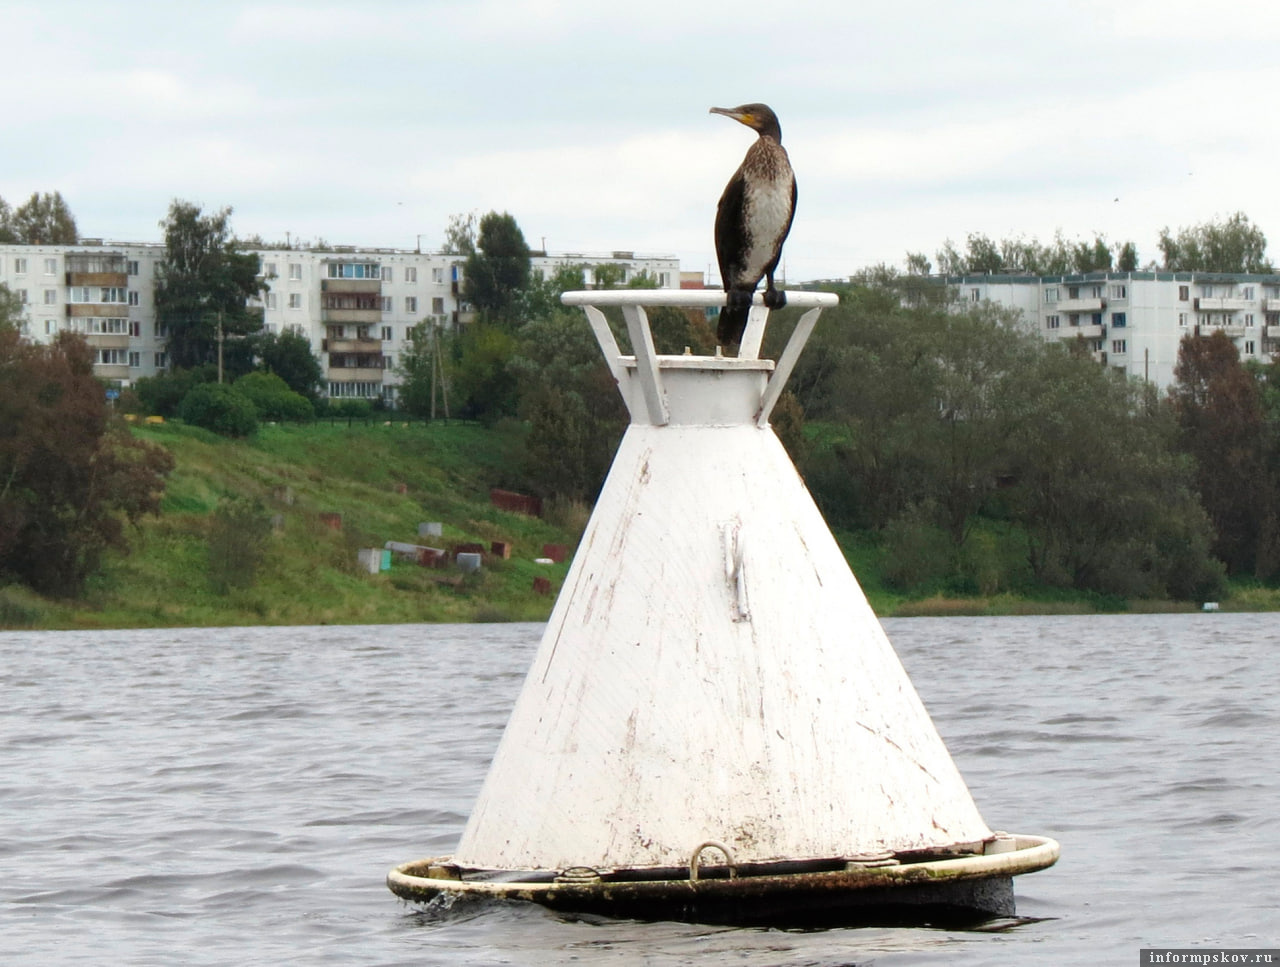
x=733, y=323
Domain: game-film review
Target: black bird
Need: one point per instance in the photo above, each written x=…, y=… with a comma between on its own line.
x=753, y=219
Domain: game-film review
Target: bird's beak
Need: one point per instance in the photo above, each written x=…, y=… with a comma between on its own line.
x=732, y=113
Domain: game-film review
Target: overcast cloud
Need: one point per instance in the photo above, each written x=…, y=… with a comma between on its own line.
x=908, y=123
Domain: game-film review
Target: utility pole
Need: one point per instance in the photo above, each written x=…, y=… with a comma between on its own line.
x=219, y=347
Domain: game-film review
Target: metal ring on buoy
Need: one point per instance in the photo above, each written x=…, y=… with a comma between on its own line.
x=694, y=861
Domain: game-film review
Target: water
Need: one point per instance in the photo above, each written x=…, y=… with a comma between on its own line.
x=237, y=796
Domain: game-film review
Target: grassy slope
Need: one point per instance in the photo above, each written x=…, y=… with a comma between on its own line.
x=309, y=576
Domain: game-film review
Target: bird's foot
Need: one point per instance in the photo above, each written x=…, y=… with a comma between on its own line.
x=738, y=299
x=775, y=298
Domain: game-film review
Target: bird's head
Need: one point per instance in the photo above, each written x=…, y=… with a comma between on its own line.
x=758, y=117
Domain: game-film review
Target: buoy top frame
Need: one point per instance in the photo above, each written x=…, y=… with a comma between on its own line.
x=671, y=390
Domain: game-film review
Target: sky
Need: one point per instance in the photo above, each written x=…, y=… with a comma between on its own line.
x=908, y=123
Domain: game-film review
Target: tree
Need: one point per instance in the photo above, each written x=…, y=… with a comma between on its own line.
x=12, y=314
x=272, y=398
x=220, y=408
x=1219, y=412
x=499, y=268
x=203, y=283
x=289, y=356
x=45, y=219
x=70, y=477
x=422, y=370
x=1114, y=511
x=460, y=235
x=1233, y=245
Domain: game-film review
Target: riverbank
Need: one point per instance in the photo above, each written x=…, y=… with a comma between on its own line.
x=381, y=480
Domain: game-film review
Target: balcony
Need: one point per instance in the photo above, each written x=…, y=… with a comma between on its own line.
x=351, y=285
x=362, y=346
x=1084, y=332
x=115, y=310
x=113, y=340
x=1271, y=305
x=1205, y=304
x=1096, y=304
x=362, y=317
x=354, y=374
x=111, y=370
x=117, y=279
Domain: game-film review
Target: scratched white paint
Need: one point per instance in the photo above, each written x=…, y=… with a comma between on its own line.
x=711, y=670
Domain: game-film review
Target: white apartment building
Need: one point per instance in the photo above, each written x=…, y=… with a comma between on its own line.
x=355, y=305
x=1135, y=321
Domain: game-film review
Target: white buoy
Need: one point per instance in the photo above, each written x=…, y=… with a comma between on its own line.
x=714, y=705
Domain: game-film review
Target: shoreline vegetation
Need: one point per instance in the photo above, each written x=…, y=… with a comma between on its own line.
x=245, y=537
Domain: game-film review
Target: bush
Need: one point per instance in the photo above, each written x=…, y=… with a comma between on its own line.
x=272, y=398
x=220, y=408
x=162, y=394
x=349, y=409
x=237, y=543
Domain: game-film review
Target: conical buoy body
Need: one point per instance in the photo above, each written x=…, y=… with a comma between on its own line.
x=713, y=688
x=712, y=670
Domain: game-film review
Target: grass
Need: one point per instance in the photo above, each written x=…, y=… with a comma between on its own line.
x=383, y=479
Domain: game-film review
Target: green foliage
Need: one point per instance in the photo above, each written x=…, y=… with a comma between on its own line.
x=69, y=476
x=289, y=356
x=12, y=313
x=422, y=371
x=162, y=394
x=238, y=537
x=203, y=283
x=1020, y=256
x=498, y=270
x=44, y=219
x=220, y=408
x=481, y=385
x=273, y=399
x=1233, y=245
x=460, y=235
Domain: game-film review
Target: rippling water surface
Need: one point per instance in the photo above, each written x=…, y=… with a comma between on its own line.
x=236, y=796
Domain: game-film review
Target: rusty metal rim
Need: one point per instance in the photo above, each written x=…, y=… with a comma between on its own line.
x=1031, y=853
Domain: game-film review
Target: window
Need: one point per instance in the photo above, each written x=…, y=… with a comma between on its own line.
x=161, y=331
x=386, y=304
x=1051, y=294
x=135, y=359
x=411, y=303
x=22, y=295
x=411, y=274
x=1073, y=292
x=50, y=326
x=20, y=266
x=133, y=297
x=1184, y=293
x=664, y=280
x=1052, y=322
x=1250, y=348
x=162, y=360
x=105, y=327
x=1118, y=320
x=388, y=274
x=437, y=306
x=1119, y=292
x=353, y=270
x=295, y=300
x=975, y=295
x=135, y=329
x=1182, y=318
x=388, y=334
x=131, y=267
x=295, y=271
x=1097, y=291
x=269, y=269
x=1096, y=318
x=112, y=357
x=51, y=297
x=1248, y=319
x=50, y=266
x=437, y=276
x=1119, y=347
x=1247, y=292
x=1073, y=319
x=1206, y=292
x=272, y=301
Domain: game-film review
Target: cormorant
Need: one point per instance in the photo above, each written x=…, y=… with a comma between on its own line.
x=753, y=219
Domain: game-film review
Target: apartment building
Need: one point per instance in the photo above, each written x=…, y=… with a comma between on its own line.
x=1135, y=321
x=355, y=305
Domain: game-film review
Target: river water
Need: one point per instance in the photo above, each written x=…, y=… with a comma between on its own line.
x=236, y=796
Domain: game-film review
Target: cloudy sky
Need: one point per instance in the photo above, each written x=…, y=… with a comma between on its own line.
x=909, y=122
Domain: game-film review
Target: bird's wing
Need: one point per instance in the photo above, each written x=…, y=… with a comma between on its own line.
x=730, y=238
